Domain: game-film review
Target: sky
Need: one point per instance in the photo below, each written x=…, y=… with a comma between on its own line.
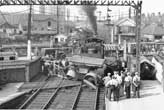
x=149, y=6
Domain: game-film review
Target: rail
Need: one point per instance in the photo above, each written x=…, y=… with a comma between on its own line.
x=76, y=99
x=85, y=99
x=96, y=99
x=66, y=96
x=52, y=96
x=35, y=94
x=100, y=102
x=30, y=99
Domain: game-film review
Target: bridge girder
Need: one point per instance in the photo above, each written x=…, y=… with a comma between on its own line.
x=72, y=2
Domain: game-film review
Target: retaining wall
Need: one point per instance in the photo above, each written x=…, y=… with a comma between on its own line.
x=19, y=71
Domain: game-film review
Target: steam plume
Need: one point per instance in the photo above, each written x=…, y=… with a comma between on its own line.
x=89, y=10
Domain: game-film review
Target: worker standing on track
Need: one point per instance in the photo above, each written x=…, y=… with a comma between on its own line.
x=128, y=81
x=46, y=66
x=136, y=84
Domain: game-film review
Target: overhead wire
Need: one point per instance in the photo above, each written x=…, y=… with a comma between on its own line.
x=80, y=16
x=16, y=12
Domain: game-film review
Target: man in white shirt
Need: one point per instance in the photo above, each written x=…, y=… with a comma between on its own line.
x=119, y=80
x=113, y=86
x=128, y=81
x=136, y=84
x=106, y=80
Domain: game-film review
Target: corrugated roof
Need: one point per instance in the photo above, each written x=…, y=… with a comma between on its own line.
x=153, y=29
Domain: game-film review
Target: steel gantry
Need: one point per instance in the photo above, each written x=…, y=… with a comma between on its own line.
x=137, y=5
x=72, y=2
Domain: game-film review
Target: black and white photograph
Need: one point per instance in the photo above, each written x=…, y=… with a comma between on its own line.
x=82, y=54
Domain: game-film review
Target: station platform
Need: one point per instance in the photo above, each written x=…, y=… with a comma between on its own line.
x=9, y=91
x=152, y=98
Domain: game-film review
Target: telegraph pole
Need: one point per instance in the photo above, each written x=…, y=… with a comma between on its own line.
x=57, y=13
x=68, y=14
x=109, y=23
x=138, y=36
x=130, y=13
x=108, y=15
x=29, y=35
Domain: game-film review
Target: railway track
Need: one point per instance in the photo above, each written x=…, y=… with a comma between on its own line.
x=86, y=99
x=66, y=96
x=100, y=99
x=64, y=99
x=89, y=99
x=78, y=98
x=41, y=97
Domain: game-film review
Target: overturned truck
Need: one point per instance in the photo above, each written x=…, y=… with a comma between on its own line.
x=90, y=69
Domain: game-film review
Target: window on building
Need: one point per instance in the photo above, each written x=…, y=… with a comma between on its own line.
x=15, y=31
x=1, y=58
x=4, y=30
x=71, y=31
x=56, y=40
x=49, y=23
x=12, y=58
x=158, y=37
x=25, y=29
x=20, y=32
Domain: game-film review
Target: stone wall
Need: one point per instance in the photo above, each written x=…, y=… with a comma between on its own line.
x=12, y=75
x=19, y=71
x=33, y=68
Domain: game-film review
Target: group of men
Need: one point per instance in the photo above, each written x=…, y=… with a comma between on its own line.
x=118, y=84
x=61, y=68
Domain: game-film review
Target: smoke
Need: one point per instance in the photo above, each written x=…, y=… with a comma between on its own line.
x=89, y=10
